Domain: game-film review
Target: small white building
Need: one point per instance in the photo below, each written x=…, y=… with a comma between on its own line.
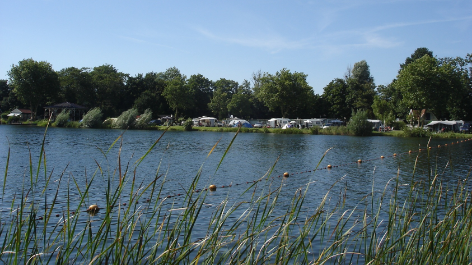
x=23, y=114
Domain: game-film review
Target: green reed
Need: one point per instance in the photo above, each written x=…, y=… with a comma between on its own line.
x=420, y=222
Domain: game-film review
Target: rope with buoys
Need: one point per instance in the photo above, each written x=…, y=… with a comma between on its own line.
x=93, y=209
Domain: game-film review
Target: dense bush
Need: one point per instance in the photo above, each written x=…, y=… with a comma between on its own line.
x=126, y=120
x=188, y=125
x=358, y=125
x=62, y=119
x=13, y=119
x=416, y=132
x=315, y=130
x=399, y=125
x=335, y=130
x=288, y=131
x=93, y=118
x=144, y=119
x=73, y=124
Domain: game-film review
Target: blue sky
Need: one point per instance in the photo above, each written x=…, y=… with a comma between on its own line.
x=233, y=39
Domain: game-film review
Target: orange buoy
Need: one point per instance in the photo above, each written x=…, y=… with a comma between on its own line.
x=429, y=147
x=409, y=151
x=212, y=187
x=359, y=161
x=286, y=174
x=330, y=166
x=382, y=157
x=439, y=146
x=93, y=208
x=394, y=154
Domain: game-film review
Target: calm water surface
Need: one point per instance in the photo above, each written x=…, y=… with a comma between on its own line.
x=77, y=154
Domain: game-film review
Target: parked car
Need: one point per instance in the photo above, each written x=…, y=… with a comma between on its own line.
x=258, y=125
x=465, y=128
x=155, y=122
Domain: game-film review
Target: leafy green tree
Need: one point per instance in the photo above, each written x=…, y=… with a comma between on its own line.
x=240, y=104
x=462, y=103
x=361, y=88
x=76, y=86
x=285, y=92
x=334, y=96
x=34, y=83
x=383, y=110
x=259, y=109
x=109, y=86
x=8, y=99
x=146, y=91
x=93, y=118
x=222, y=93
x=427, y=85
x=319, y=107
x=393, y=97
x=361, y=73
x=201, y=89
x=178, y=96
x=419, y=53
x=4, y=91
x=173, y=73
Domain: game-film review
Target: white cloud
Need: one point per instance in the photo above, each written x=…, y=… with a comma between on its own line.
x=272, y=43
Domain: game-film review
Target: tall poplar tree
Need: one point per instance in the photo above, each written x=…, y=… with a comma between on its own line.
x=34, y=83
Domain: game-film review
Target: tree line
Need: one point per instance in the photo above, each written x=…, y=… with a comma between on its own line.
x=441, y=85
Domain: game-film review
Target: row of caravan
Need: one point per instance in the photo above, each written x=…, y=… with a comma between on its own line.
x=282, y=123
x=285, y=123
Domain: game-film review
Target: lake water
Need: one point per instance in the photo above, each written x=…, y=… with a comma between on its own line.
x=78, y=154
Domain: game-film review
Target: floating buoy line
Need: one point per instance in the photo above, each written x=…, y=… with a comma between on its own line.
x=93, y=209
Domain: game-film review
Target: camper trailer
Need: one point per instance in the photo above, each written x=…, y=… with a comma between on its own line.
x=313, y=122
x=277, y=122
x=376, y=124
x=208, y=121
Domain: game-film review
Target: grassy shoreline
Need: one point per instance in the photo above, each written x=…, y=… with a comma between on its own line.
x=339, y=130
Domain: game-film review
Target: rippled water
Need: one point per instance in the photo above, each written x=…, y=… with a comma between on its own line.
x=75, y=155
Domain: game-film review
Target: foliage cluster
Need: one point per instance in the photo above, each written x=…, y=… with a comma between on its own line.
x=358, y=125
x=315, y=130
x=144, y=119
x=415, y=132
x=93, y=118
x=12, y=119
x=62, y=119
x=188, y=125
x=126, y=120
x=441, y=85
